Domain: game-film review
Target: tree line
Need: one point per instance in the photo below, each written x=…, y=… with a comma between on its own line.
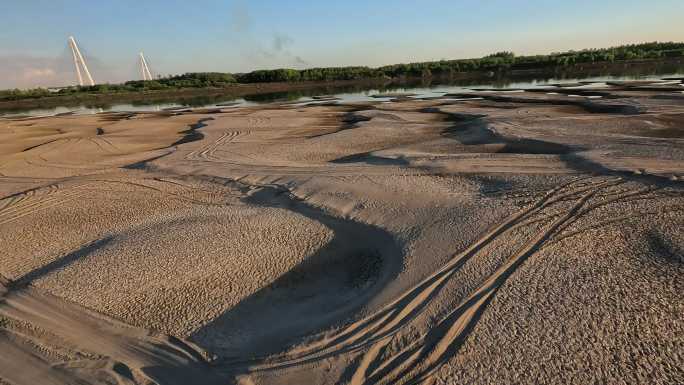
x=497, y=62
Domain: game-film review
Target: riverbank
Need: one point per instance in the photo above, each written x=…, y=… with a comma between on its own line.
x=293, y=90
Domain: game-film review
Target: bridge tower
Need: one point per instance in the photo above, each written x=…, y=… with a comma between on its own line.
x=144, y=68
x=80, y=63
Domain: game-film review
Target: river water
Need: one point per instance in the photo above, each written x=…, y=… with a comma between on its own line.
x=339, y=94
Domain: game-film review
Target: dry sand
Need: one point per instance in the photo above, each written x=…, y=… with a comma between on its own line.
x=484, y=237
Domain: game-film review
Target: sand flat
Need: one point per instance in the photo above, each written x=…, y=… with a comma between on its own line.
x=525, y=235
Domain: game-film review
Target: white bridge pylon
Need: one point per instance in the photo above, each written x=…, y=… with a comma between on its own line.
x=144, y=68
x=80, y=63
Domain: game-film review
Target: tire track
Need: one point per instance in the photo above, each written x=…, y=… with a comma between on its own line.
x=416, y=362
x=149, y=356
x=419, y=360
x=388, y=321
x=623, y=218
x=173, y=195
x=29, y=198
x=117, y=150
x=96, y=141
x=31, y=202
x=207, y=153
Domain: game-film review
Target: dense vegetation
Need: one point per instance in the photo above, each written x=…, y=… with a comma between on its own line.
x=509, y=61
x=311, y=74
x=188, y=80
x=497, y=62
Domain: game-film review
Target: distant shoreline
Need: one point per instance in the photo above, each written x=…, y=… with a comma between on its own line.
x=235, y=90
x=617, y=68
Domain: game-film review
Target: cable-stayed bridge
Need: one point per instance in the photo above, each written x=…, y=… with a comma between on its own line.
x=83, y=72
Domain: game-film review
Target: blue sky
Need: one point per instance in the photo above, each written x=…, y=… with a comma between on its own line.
x=240, y=35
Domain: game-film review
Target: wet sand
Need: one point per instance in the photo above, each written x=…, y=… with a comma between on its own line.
x=484, y=237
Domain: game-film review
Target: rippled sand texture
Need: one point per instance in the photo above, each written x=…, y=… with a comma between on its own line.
x=483, y=237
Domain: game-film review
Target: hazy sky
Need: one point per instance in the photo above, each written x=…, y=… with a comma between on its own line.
x=238, y=35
